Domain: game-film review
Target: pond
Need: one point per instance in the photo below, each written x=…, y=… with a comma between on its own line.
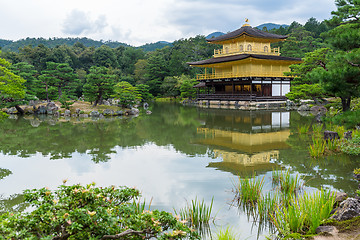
x=176, y=154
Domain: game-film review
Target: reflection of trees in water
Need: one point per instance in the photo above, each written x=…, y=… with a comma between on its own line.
x=4, y=173
x=169, y=125
x=14, y=203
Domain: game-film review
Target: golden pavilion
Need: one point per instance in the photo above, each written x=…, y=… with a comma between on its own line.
x=246, y=67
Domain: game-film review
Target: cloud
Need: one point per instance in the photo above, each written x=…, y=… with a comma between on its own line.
x=78, y=22
x=205, y=16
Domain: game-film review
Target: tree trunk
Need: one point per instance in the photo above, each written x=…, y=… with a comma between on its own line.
x=47, y=92
x=20, y=110
x=60, y=92
x=345, y=101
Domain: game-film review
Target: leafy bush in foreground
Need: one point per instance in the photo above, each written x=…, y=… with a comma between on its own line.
x=88, y=212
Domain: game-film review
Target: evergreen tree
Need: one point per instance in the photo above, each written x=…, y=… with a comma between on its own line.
x=62, y=77
x=99, y=84
x=337, y=70
x=27, y=72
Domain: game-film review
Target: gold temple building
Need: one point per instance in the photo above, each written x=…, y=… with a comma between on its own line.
x=246, y=67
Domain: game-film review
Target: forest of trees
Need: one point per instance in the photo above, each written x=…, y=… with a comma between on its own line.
x=74, y=71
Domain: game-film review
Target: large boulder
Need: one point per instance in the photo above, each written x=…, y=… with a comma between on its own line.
x=303, y=108
x=11, y=110
x=28, y=110
x=318, y=109
x=347, y=209
x=67, y=113
x=51, y=108
x=326, y=230
x=42, y=109
x=108, y=112
x=83, y=115
x=106, y=103
x=340, y=196
x=94, y=114
x=132, y=111
x=331, y=135
x=119, y=113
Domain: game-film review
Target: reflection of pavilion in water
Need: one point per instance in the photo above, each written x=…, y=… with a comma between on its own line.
x=245, y=141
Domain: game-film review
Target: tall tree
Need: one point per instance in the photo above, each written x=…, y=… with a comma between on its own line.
x=27, y=72
x=104, y=57
x=157, y=70
x=12, y=89
x=343, y=75
x=337, y=70
x=61, y=76
x=126, y=93
x=99, y=84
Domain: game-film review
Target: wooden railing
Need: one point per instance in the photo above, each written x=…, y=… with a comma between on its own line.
x=236, y=75
x=239, y=97
x=233, y=51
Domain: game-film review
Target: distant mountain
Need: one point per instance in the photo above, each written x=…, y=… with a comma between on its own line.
x=4, y=42
x=53, y=42
x=153, y=46
x=214, y=34
x=270, y=26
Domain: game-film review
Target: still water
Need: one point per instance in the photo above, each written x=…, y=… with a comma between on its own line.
x=176, y=154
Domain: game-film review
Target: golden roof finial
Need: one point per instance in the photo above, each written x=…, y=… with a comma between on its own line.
x=246, y=23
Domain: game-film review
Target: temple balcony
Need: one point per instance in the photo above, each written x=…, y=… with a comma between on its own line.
x=238, y=50
x=210, y=76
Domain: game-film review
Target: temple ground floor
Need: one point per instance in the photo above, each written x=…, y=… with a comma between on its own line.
x=244, y=89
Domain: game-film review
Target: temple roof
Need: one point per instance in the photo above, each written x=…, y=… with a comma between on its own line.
x=242, y=57
x=247, y=30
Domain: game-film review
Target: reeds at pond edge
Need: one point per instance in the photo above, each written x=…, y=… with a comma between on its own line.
x=287, y=210
x=197, y=213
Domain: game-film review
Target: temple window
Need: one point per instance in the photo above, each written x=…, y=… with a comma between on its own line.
x=249, y=48
x=241, y=47
x=266, y=49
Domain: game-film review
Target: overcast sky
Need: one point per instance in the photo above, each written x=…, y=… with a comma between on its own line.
x=137, y=22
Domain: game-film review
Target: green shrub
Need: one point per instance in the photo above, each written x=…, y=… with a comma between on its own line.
x=348, y=119
x=88, y=212
x=351, y=147
x=3, y=115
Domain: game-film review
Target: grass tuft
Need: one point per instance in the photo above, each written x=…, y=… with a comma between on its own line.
x=303, y=129
x=226, y=234
x=317, y=149
x=288, y=183
x=197, y=213
x=248, y=190
x=304, y=214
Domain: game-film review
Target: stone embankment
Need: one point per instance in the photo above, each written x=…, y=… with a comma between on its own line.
x=76, y=110
x=304, y=107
